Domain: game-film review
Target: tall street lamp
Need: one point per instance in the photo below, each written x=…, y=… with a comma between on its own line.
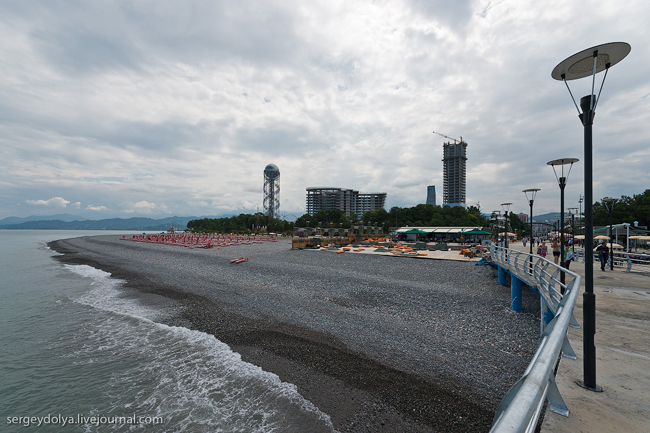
x=573, y=227
x=562, y=182
x=609, y=204
x=506, y=211
x=530, y=196
x=582, y=217
x=583, y=64
x=495, y=220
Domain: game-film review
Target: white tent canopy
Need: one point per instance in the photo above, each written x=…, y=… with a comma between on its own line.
x=439, y=230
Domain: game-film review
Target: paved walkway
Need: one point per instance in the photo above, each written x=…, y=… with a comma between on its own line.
x=622, y=359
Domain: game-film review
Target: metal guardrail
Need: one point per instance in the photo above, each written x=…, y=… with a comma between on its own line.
x=521, y=407
x=631, y=262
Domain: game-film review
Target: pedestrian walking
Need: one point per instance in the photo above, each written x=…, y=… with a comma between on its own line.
x=603, y=255
x=543, y=250
x=556, y=251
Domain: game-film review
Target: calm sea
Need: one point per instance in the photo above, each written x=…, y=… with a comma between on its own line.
x=76, y=356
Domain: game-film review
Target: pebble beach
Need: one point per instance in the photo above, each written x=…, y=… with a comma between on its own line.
x=380, y=344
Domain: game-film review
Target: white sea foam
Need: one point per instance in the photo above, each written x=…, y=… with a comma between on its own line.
x=191, y=379
x=105, y=294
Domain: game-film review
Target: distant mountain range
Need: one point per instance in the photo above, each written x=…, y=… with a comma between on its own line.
x=105, y=224
x=549, y=218
x=76, y=222
x=544, y=218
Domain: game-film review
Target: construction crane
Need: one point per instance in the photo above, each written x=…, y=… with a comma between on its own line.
x=451, y=138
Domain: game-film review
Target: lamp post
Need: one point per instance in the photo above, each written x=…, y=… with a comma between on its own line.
x=573, y=227
x=506, y=209
x=562, y=182
x=583, y=64
x=609, y=204
x=495, y=220
x=582, y=217
x=530, y=196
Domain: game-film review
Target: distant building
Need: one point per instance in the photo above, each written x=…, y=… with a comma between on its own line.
x=454, y=173
x=431, y=194
x=523, y=217
x=343, y=199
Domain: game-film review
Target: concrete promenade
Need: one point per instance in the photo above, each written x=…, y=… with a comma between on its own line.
x=622, y=358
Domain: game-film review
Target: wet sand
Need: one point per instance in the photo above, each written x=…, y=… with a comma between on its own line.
x=381, y=344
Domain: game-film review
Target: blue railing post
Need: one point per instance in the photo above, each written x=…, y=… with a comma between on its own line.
x=515, y=293
x=502, y=276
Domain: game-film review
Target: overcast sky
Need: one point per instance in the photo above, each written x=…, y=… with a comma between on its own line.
x=161, y=108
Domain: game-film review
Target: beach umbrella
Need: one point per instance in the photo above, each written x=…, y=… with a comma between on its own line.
x=579, y=236
x=613, y=246
x=641, y=238
x=602, y=238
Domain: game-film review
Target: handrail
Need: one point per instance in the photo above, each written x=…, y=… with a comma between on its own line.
x=632, y=261
x=520, y=409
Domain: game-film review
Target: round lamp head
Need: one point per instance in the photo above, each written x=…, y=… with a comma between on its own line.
x=581, y=65
x=562, y=161
x=531, y=193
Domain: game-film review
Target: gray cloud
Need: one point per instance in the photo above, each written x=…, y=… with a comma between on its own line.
x=156, y=107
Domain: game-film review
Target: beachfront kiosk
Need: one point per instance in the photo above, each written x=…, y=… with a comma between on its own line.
x=441, y=234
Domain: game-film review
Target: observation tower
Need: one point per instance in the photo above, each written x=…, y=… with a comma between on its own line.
x=272, y=191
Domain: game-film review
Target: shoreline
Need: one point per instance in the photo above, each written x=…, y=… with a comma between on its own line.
x=359, y=389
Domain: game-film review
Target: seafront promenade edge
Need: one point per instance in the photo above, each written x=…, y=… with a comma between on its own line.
x=622, y=358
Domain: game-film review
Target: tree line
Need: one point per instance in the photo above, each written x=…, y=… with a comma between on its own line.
x=420, y=215
x=625, y=209
x=241, y=224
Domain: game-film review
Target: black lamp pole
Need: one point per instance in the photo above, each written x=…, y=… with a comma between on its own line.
x=530, y=195
x=578, y=66
x=495, y=225
x=609, y=203
x=582, y=217
x=573, y=228
x=562, y=182
x=588, y=297
x=506, y=209
x=562, y=186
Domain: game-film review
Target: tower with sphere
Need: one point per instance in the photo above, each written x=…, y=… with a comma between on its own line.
x=272, y=191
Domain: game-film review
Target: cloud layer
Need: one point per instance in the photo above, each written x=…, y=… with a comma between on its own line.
x=159, y=108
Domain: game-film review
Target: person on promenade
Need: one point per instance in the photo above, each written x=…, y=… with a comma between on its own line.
x=569, y=257
x=603, y=255
x=543, y=250
x=556, y=251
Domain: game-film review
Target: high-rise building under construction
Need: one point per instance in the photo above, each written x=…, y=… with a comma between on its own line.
x=454, y=174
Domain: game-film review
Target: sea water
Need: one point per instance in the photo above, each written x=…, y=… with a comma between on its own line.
x=76, y=355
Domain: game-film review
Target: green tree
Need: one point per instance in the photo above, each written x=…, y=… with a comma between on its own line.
x=626, y=209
